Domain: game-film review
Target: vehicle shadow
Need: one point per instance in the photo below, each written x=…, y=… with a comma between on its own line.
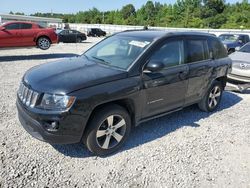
x=36, y=57
x=157, y=128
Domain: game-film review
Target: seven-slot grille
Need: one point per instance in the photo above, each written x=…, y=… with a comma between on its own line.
x=27, y=96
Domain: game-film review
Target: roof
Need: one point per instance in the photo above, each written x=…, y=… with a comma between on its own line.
x=30, y=18
x=233, y=34
x=154, y=34
x=20, y=22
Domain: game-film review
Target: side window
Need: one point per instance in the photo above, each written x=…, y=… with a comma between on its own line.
x=247, y=39
x=241, y=38
x=196, y=50
x=12, y=26
x=64, y=32
x=217, y=49
x=26, y=26
x=170, y=54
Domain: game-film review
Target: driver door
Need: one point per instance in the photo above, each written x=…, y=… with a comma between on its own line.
x=11, y=36
x=165, y=90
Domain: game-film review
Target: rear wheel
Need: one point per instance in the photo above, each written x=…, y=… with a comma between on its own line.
x=212, y=98
x=78, y=40
x=108, y=130
x=43, y=43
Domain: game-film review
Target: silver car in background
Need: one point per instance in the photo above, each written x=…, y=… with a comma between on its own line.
x=239, y=78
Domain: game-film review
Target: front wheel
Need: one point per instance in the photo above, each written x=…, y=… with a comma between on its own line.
x=43, y=43
x=212, y=98
x=108, y=130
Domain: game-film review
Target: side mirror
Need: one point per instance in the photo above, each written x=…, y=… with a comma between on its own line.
x=237, y=48
x=154, y=66
x=240, y=41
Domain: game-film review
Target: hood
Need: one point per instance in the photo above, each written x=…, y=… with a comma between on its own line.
x=68, y=75
x=241, y=64
x=240, y=56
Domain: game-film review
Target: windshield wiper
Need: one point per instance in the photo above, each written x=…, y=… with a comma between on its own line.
x=102, y=60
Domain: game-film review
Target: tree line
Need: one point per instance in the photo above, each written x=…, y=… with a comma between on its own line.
x=184, y=13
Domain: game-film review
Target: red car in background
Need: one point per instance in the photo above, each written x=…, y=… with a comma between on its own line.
x=21, y=34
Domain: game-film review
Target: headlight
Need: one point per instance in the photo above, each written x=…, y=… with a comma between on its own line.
x=56, y=102
x=225, y=46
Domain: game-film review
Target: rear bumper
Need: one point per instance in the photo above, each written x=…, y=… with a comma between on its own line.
x=33, y=124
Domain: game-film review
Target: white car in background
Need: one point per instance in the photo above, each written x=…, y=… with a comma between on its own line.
x=239, y=78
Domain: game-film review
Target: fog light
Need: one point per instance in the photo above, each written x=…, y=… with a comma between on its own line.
x=52, y=126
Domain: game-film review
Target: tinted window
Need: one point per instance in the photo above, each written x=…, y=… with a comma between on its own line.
x=64, y=32
x=245, y=48
x=196, y=50
x=217, y=49
x=26, y=26
x=170, y=54
x=12, y=26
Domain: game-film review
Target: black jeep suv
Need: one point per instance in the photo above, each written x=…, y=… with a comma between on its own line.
x=95, y=32
x=126, y=79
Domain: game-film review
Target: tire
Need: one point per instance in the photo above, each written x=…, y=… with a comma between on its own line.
x=212, y=98
x=230, y=51
x=108, y=130
x=43, y=43
x=78, y=40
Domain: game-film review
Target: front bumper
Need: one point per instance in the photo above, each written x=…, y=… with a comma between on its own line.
x=233, y=78
x=237, y=87
x=70, y=126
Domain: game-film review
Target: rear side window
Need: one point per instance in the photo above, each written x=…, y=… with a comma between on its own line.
x=217, y=49
x=26, y=26
x=196, y=50
x=12, y=26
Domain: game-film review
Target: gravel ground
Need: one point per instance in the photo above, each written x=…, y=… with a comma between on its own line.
x=185, y=149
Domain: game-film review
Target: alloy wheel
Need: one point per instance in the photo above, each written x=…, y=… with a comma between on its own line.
x=44, y=43
x=111, y=132
x=214, y=97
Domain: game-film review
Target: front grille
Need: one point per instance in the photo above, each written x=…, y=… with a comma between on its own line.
x=27, y=96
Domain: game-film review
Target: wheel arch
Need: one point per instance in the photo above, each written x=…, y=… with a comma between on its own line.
x=223, y=80
x=127, y=104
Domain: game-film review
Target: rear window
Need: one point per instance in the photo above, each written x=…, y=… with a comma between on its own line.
x=196, y=50
x=217, y=49
x=26, y=26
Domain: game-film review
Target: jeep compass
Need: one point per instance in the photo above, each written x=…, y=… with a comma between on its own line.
x=126, y=79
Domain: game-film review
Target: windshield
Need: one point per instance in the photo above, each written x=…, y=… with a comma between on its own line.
x=245, y=48
x=229, y=38
x=118, y=51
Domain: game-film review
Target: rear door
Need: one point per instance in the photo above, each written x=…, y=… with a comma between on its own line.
x=165, y=90
x=11, y=36
x=72, y=36
x=200, y=67
x=28, y=34
x=63, y=36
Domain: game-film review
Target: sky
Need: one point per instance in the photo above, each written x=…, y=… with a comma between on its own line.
x=70, y=6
